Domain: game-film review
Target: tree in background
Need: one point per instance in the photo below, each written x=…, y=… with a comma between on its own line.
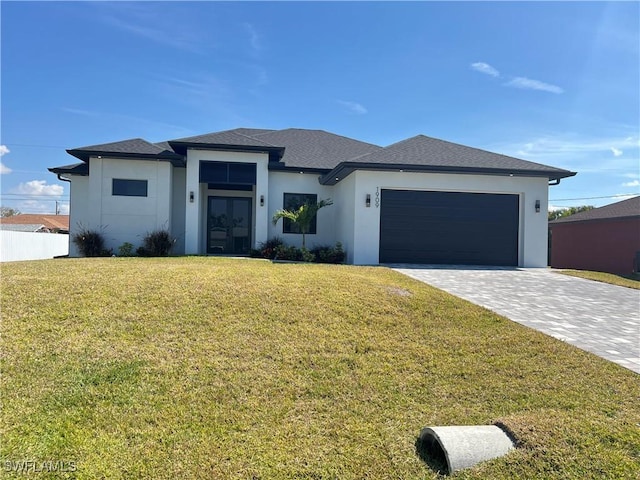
x=8, y=212
x=565, y=212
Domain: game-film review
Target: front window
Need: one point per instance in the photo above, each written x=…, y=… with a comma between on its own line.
x=293, y=201
x=129, y=188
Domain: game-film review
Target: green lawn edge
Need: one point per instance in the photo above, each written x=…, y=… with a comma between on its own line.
x=629, y=281
x=201, y=367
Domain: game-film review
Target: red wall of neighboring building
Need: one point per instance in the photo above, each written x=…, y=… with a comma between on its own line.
x=602, y=246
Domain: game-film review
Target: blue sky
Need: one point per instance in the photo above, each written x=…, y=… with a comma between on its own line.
x=551, y=82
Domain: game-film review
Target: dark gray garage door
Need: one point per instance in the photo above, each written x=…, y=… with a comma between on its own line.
x=448, y=228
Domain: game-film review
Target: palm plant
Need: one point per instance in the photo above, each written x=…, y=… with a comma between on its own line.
x=302, y=216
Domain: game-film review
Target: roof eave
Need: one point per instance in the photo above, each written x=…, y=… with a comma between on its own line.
x=344, y=169
x=84, y=155
x=184, y=146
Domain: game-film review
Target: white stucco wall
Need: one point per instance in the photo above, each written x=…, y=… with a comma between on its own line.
x=79, y=211
x=345, y=211
x=123, y=218
x=286, y=182
x=195, y=213
x=178, y=206
x=532, y=229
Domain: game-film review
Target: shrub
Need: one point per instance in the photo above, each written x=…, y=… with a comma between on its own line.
x=329, y=254
x=306, y=255
x=90, y=243
x=156, y=244
x=125, y=250
x=283, y=252
x=268, y=249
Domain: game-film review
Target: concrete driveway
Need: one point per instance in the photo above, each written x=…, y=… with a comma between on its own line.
x=600, y=318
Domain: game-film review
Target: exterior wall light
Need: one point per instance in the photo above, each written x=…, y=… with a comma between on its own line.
x=537, y=206
x=191, y=197
x=262, y=200
x=367, y=201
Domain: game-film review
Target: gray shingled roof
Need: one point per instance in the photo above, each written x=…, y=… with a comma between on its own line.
x=315, y=148
x=235, y=137
x=134, y=145
x=81, y=168
x=324, y=151
x=423, y=150
x=623, y=209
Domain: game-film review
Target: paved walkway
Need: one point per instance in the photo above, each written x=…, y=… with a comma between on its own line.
x=600, y=318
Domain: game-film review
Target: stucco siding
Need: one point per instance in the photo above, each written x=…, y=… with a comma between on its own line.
x=532, y=228
x=345, y=215
x=178, y=205
x=284, y=182
x=124, y=218
x=79, y=211
x=196, y=211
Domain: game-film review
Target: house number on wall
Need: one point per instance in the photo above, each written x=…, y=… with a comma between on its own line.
x=377, y=197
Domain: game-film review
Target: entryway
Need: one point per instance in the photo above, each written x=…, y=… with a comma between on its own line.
x=229, y=225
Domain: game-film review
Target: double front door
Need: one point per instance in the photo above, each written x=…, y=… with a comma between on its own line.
x=229, y=225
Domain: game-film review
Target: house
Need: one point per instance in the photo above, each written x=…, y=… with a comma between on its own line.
x=36, y=222
x=605, y=239
x=421, y=200
x=32, y=236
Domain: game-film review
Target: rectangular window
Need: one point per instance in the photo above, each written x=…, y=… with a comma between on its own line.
x=228, y=173
x=293, y=201
x=129, y=188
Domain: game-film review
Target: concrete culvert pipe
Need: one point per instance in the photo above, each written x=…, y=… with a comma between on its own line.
x=462, y=447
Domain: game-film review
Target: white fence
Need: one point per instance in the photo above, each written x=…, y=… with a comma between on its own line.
x=16, y=246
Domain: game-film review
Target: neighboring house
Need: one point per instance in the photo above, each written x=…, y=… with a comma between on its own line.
x=24, y=227
x=605, y=239
x=421, y=200
x=46, y=223
x=33, y=237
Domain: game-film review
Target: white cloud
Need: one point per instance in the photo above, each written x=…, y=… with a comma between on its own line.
x=353, y=107
x=39, y=187
x=254, y=38
x=3, y=168
x=633, y=183
x=616, y=152
x=529, y=84
x=578, y=152
x=485, y=68
x=152, y=22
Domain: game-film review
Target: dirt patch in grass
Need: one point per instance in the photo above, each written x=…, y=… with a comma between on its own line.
x=220, y=368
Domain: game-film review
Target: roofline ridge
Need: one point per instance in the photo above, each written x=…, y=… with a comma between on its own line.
x=253, y=138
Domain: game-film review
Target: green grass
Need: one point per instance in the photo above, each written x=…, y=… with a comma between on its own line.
x=201, y=368
x=630, y=281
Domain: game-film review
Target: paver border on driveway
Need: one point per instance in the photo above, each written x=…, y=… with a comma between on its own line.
x=597, y=317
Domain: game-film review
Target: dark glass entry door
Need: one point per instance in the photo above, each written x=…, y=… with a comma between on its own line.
x=229, y=225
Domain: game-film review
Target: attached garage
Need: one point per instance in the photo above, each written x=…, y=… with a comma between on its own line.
x=449, y=228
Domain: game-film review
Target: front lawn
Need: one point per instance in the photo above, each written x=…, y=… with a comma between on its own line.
x=630, y=281
x=185, y=368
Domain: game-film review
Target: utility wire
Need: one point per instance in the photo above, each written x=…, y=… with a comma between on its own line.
x=594, y=198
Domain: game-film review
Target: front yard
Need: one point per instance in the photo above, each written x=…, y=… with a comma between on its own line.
x=201, y=368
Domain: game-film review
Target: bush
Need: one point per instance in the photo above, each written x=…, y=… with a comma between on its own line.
x=283, y=252
x=156, y=244
x=268, y=249
x=329, y=254
x=90, y=243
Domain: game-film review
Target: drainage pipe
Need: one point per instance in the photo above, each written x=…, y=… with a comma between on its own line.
x=465, y=446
